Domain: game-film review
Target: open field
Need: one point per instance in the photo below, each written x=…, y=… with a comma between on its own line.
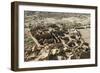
x=85, y=34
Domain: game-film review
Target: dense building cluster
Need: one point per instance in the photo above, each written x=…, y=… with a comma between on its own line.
x=55, y=42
